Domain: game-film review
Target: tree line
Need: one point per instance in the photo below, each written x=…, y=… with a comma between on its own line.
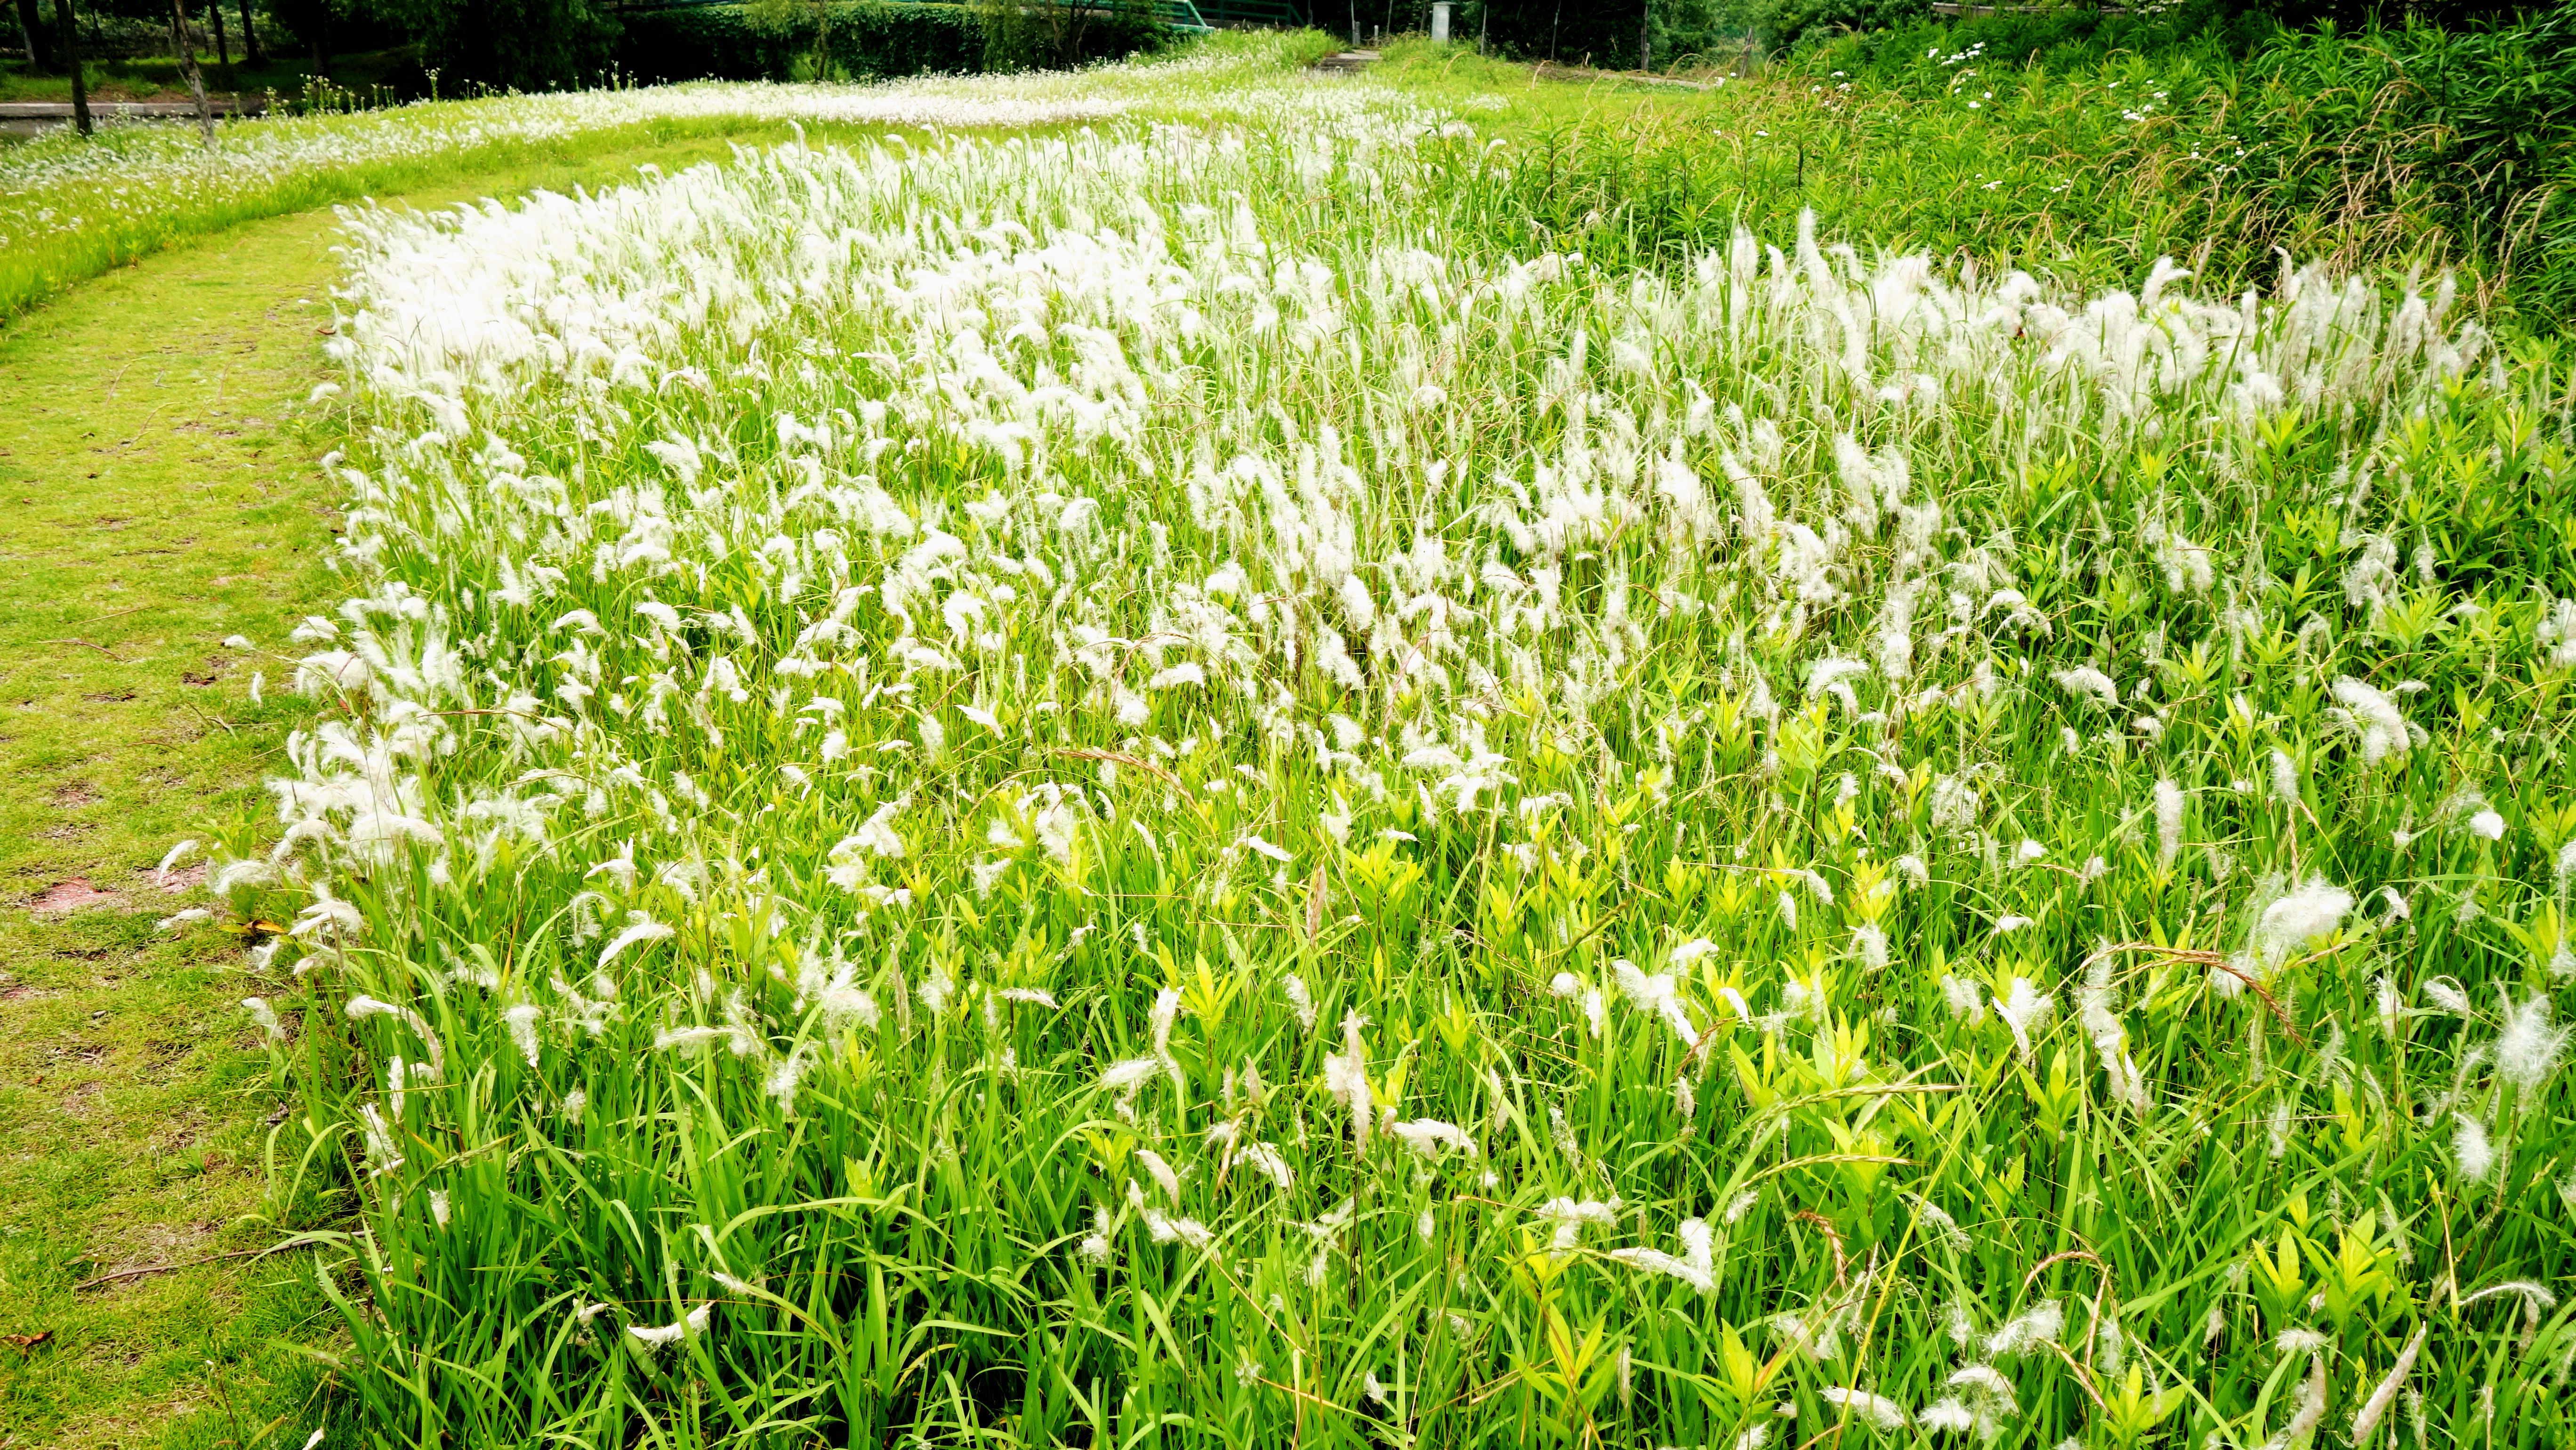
x=522, y=44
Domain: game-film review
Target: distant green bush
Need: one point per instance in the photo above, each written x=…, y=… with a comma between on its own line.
x=527, y=45
x=1020, y=37
x=726, y=42
x=867, y=38
x=2476, y=127
x=2452, y=144
x=2087, y=145
x=2059, y=39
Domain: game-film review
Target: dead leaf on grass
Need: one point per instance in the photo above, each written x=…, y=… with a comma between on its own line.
x=253, y=931
x=74, y=796
x=27, y=1341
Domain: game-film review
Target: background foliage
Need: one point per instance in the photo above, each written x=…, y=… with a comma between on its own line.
x=2110, y=144
x=729, y=42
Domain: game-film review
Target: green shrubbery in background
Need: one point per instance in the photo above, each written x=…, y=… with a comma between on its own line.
x=732, y=42
x=527, y=44
x=2369, y=144
x=424, y=47
x=857, y=39
x=2475, y=130
x=2088, y=146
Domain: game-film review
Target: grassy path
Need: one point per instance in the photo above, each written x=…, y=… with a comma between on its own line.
x=156, y=497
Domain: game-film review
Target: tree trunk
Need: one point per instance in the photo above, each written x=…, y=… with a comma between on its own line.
x=223, y=47
x=250, y=36
x=27, y=34
x=1646, y=38
x=72, y=59
x=186, y=45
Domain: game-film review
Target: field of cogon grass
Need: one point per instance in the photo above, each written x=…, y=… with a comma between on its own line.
x=71, y=208
x=1121, y=786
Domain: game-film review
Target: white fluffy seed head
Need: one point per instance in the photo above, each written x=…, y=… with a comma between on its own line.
x=2298, y=918
x=2471, y=1151
x=2168, y=823
x=2528, y=1048
x=2375, y=719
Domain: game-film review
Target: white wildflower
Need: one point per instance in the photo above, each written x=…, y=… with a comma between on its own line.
x=2086, y=682
x=1346, y=1077
x=2033, y=1329
x=1877, y=1411
x=265, y=1017
x=1695, y=1265
x=1430, y=1137
x=2023, y=1008
x=1655, y=994
x=656, y=1337
x=1966, y=1000
x=2471, y=1150
x=2527, y=1050
x=522, y=1022
x=1301, y=1003
x=1568, y=1216
x=1162, y=1173
x=2298, y=918
x=2374, y=718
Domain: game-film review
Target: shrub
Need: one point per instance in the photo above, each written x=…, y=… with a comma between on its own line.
x=870, y=39
x=2476, y=127
x=865, y=39
x=528, y=45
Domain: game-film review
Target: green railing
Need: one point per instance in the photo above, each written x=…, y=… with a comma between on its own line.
x=1282, y=14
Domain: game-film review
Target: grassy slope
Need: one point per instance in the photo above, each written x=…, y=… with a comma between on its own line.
x=2047, y=172
x=169, y=382
x=36, y=272
x=158, y=499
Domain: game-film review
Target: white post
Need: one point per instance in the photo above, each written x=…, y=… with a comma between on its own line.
x=1440, y=22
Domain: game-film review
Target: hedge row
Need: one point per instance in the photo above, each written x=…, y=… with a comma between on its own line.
x=870, y=38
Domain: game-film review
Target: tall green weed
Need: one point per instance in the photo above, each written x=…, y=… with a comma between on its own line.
x=2476, y=127
x=2087, y=147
